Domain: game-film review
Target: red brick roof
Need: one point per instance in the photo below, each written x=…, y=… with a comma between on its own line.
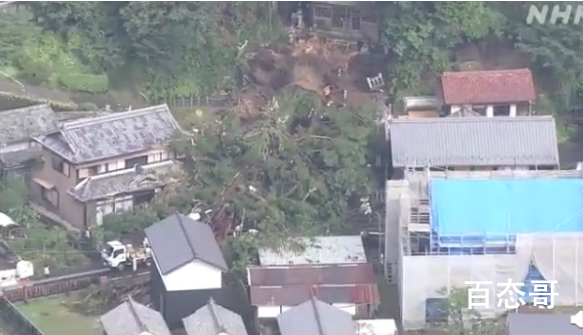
x=482, y=87
x=290, y=286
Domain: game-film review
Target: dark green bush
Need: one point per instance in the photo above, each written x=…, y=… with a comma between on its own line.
x=79, y=82
x=33, y=73
x=88, y=106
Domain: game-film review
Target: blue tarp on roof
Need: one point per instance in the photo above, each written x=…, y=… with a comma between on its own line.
x=497, y=209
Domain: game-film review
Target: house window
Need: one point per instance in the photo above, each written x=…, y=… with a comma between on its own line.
x=50, y=195
x=158, y=157
x=502, y=110
x=61, y=166
x=323, y=11
x=142, y=160
x=338, y=17
x=369, y=18
x=86, y=172
x=355, y=19
x=120, y=206
x=355, y=23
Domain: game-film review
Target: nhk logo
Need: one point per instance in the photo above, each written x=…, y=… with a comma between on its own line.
x=554, y=14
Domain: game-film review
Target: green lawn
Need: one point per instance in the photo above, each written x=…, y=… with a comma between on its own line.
x=53, y=317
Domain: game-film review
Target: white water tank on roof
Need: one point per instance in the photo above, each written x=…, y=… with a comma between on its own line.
x=24, y=269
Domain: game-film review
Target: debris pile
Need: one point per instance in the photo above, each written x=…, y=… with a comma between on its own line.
x=338, y=77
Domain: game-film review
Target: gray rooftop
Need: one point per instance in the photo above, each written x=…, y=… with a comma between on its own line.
x=24, y=123
x=178, y=240
x=315, y=317
x=132, y=318
x=20, y=158
x=541, y=324
x=213, y=319
x=117, y=134
x=474, y=141
x=316, y=250
x=131, y=180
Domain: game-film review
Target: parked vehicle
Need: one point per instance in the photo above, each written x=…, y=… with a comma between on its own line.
x=117, y=255
x=11, y=277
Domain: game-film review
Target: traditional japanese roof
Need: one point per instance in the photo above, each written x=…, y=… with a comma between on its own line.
x=487, y=87
x=213, y=319
x=131, y=180
x=24, y=123
x=474, y=141
x=315, y=317
x=178, y=240
x=20, y=158
x=92, y=139
x=132, y=318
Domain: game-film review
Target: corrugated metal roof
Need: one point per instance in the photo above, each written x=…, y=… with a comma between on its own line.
x=331, y=275
x=474, y=141
x=482, y=87
x=316, y=250
x=296, y=294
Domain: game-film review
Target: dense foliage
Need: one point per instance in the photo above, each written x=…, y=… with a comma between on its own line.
x=34, y=240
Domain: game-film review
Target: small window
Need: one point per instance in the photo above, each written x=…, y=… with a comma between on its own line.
x=51, y=196
x=323, y=11
x=142, y=160
x=338, y=17
x=60, y=166
x=355, y=23
x=369, y=18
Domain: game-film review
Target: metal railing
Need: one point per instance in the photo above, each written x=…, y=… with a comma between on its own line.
x=13, y=317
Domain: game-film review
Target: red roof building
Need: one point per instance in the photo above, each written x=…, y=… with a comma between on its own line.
x=487, y=87
x=332, y=269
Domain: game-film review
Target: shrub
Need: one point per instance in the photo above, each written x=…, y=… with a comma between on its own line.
x=79, y=82
x=34, y=73
x=88, y=106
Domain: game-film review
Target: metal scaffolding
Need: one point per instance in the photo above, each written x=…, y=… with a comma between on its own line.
x=423, y=271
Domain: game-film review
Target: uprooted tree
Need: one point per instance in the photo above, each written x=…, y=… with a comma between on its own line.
x=297, y=169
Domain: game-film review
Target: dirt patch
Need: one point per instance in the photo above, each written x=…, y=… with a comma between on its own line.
x=338, y=77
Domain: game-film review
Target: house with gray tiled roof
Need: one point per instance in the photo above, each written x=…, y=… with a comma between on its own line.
x=213, y=319
x=189, y=266
x=474, y=143
x=105, y=164
x=17, y=128
x=132, y=318
x=315, y=317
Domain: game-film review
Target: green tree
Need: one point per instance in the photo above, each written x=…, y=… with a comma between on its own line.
x=39, y=243
x=422, y=35
x=465, y=321
x=299, y=169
